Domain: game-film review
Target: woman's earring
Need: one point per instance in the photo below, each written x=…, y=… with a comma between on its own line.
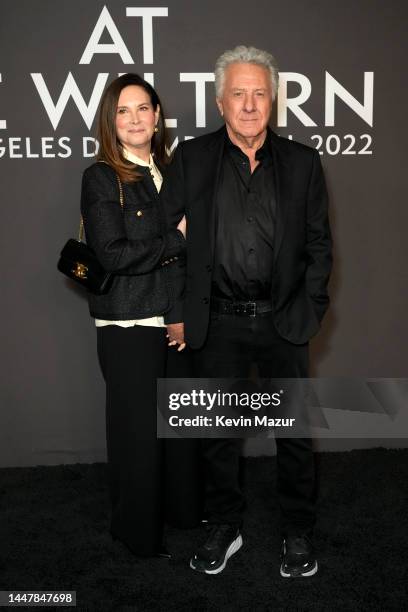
x=156, y=129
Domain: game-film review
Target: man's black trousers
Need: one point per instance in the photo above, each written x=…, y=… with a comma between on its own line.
x=233, y=344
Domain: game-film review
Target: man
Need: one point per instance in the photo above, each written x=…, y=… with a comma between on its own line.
x=258, y=263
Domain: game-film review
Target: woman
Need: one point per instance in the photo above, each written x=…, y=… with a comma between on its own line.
x=125, y=226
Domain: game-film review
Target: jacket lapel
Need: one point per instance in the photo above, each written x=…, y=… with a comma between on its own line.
x=283, y=188
x=215, y=150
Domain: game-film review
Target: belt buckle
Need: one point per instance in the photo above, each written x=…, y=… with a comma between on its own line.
x=252, y=309
x=239, y=309
x=245, y=309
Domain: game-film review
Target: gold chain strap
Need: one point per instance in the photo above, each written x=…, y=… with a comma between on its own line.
x=121, y=200
x=120, y=190
x=81, y=229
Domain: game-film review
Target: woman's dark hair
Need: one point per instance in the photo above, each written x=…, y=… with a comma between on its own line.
x=110, y=148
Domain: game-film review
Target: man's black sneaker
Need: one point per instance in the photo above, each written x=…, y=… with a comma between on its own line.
x=298, y=559
x=222, y=542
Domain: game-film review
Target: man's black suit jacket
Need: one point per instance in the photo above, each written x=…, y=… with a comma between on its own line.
x=302, y=244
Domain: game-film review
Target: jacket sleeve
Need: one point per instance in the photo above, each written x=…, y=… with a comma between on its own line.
x=105, y=228
x=173, y=200
x=176, y=275
x=318, y=241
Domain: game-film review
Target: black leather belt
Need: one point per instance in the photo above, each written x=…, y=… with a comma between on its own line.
x=241, y=309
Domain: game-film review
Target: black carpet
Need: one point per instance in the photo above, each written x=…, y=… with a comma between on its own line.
x=54, y=536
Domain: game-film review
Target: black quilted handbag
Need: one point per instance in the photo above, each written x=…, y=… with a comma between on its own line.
x=79, y=262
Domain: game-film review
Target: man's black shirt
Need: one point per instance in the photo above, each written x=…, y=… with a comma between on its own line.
x=245, y=224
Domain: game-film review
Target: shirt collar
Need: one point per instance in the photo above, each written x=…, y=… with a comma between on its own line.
x=137, y=160
x=263, y=154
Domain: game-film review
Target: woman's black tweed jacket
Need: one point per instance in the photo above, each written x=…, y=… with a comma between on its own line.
x=134, y=244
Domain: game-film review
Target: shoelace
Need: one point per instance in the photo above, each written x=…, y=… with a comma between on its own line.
x=303, y=542
x=217, y=532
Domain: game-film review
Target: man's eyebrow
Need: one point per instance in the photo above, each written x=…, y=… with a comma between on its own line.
x=246, y=89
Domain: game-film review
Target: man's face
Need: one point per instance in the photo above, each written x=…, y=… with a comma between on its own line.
x=246, y=101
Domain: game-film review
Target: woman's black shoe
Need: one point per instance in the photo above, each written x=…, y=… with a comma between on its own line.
x=163, y=553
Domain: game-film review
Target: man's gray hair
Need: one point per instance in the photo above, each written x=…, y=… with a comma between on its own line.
x=245, y=55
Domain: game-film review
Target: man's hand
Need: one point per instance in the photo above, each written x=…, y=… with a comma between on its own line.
x=175, y=334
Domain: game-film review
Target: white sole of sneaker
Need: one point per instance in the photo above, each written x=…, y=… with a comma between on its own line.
x=231, y=550
x=311, y=572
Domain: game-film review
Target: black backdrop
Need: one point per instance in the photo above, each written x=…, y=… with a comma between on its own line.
x=342, y=90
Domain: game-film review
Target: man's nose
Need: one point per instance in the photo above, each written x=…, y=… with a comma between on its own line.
x=249, y=103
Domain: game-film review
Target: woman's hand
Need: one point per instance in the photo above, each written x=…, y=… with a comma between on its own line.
x=175, y=334
x=182, y=226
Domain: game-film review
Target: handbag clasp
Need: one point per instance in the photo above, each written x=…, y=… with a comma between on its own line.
x=80, y=271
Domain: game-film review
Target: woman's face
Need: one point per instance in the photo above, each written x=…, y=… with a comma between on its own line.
x=136, y=120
